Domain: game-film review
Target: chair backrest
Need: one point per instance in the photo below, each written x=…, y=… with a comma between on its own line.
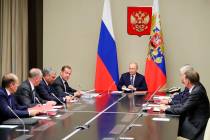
x=207, y=131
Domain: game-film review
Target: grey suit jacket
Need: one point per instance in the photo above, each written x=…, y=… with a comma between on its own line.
x=25, y=96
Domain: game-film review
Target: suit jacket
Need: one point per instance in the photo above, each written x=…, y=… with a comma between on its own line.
x=58, y=85
x=5, y=113
x=25, y=95
x=194, y=113
x=45, y=91
x=180, y=98
x=139, y=82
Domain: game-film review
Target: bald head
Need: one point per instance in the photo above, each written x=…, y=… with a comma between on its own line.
x=35, y=76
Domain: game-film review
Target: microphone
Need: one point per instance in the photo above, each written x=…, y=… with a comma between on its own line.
x=140, y=114
x=147, y=103
x=64, y=105
x=24, y=127
x=38, y=100
x=68, y=93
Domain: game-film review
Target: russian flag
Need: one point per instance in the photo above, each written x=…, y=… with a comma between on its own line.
x=107, y=75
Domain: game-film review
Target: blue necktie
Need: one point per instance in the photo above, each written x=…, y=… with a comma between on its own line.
x=10, y=100
x=132, y=83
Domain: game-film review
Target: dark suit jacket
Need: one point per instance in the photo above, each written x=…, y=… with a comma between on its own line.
x=139, y=82
x=60, y=89
x=24, y=95
x=5, y=113
x=194, y=113
x=45, y=91
x=180, y=98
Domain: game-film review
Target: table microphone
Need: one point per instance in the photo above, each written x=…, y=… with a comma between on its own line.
x=64, y=105
x=38, y=100
x=68, y=94
x=24, y=127
x=140, y=112
x=147, y=103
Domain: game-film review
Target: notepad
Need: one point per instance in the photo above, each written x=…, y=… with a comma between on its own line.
x=41, y=117
x=8, y=126
x=57, y=116
x=151, y=105
x=161, y=119
x=116, y=92
x=57, y=107
x=156, y=109
x=90, y=95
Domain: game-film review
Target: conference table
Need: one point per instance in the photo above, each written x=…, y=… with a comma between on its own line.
x=100, y=116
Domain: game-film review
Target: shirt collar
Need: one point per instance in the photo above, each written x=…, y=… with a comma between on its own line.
x=32, y=86
x=133, y=75
x=62, y=79
x=190, y=90
x=45, y=81
x=8, y=93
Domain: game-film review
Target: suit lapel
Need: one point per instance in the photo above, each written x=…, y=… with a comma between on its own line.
x=61, y=81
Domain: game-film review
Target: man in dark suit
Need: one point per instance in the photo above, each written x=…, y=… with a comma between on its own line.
x=194, y=113
x=27, y=94
x=61, y=85
x=45, y=89
x=179, y=98
x=132, y=80
x=9, y=87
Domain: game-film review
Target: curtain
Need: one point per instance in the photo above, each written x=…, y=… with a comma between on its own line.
x=14, y=37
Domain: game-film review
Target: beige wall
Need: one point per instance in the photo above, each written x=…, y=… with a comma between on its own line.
x=71, y=31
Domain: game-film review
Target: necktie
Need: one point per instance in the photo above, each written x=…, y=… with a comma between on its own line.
x=34, y=96
x=132, y=83
x=10, y=100
x=65, y=86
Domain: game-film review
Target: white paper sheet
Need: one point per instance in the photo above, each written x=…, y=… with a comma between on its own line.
x=41, y=117
x=8, y=126
x=57, y=107
x=161, y=119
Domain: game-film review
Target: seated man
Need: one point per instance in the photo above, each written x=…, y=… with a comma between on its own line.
x=9, y=87
x=194, y=112
x=27, y=94
x=61, y=85
x=132, y=79
x=45, y=89
x=179, y=98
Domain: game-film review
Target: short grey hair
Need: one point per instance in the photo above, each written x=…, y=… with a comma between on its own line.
x=34, y=72
x=185, y=68
x=47, y=71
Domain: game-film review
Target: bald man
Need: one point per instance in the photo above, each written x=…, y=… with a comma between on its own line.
x=27, y=92
x=132, y=80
